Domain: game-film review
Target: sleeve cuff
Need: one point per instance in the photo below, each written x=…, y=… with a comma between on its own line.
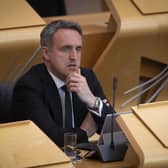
x=97, y=110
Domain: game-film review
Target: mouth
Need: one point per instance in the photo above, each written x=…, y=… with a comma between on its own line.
x=72, y=66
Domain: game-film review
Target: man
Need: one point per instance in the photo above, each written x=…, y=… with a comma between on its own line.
x=39, y=95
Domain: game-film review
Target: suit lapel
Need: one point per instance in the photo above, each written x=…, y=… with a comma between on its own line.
x=52, y=97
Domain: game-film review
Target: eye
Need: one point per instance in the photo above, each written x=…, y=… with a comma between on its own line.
x=78, y=49
x=66, y=48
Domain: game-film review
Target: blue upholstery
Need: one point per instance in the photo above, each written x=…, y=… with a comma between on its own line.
x=5, y=101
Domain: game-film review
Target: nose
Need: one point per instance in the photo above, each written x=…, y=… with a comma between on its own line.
x=73, y=54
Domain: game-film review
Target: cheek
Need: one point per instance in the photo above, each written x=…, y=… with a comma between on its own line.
x=79, y=60
x=58, y=60
x=59, y=63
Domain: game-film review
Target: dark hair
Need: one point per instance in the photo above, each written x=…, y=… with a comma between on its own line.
x=48, y=31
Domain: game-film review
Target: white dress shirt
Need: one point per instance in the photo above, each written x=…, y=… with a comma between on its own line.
x=59, y=83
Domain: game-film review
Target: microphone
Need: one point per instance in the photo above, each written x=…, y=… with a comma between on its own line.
x=115, y=83
x=114, y=90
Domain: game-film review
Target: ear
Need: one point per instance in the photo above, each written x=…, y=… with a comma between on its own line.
x=45, y=53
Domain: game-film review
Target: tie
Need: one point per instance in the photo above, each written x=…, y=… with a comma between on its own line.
x=68, y=108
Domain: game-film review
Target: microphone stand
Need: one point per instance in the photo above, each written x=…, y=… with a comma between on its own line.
x=116, y=150
x=113, y=117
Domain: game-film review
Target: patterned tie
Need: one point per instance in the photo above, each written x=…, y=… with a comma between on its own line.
x=68, y=108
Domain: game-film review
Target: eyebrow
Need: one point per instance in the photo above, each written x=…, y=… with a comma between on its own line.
x=71, y=46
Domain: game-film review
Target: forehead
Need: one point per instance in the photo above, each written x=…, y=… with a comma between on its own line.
x=68, y=36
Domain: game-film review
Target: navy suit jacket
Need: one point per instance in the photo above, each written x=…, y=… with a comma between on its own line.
x=36, y=98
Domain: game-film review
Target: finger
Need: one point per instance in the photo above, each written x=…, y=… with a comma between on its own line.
x=73, y=79
x=73, y=88
x=78, y=71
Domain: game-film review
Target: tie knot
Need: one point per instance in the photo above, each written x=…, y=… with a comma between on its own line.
x=64, y=88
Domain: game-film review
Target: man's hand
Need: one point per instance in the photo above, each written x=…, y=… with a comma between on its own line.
x=89, y=125
x=78, y=84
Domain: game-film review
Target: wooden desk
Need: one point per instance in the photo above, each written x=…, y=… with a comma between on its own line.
x=28, y=146
x=150, y=150
x=92, y=164
x=99, y=164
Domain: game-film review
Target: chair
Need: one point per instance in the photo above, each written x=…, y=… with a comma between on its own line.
x=6, y=90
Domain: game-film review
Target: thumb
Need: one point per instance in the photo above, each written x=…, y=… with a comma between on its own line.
x=79, y=71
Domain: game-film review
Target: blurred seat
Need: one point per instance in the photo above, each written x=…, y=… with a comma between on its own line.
x=5, y=101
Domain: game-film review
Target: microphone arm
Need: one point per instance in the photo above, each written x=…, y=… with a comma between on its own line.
x=29, y=61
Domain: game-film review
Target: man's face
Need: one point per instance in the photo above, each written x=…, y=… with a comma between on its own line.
x=65, y=54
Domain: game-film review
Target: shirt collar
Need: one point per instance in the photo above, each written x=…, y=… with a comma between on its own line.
x=59, y=83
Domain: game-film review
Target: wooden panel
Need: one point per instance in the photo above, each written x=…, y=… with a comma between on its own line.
x=16, y=48
x=154, y=116
x=152, y=6
x=150, y=151
x=18, y=13
x=93, y=46
x=25, y=145
x=100, y=18
x=19, y=38
x=136, y=37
